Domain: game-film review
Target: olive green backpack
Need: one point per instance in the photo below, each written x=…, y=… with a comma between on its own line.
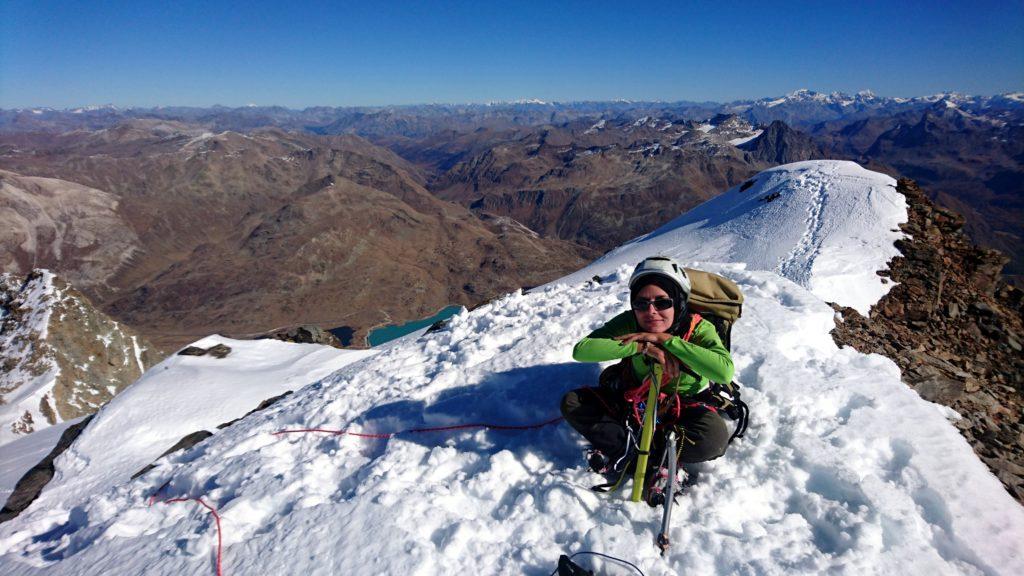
x=720, y=301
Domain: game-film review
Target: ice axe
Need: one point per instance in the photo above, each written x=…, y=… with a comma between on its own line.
x=647, y=433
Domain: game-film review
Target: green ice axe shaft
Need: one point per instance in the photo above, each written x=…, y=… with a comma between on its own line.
x=650, y=415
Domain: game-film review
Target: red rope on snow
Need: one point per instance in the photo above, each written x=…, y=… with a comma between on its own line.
x=216, y=517
x=220, y=542
x=418, y=430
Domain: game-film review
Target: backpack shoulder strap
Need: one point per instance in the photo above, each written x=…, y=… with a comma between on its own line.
x=694, y=320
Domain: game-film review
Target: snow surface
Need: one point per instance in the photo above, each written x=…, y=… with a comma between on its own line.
x=844, y=469
x=181, y=395
x=831, y=227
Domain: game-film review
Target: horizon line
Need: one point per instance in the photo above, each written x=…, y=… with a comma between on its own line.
x=515, y=102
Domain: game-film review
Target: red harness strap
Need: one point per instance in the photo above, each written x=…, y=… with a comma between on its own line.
x=638, y=395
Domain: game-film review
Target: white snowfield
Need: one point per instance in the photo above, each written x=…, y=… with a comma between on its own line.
x=181, y=395
x=844, y=469
x=826, y=225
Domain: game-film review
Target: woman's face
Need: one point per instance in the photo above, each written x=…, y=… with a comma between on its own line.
x=650, y=318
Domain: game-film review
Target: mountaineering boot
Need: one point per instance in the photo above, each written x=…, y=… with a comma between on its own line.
x=602, y=463
x=597, y=461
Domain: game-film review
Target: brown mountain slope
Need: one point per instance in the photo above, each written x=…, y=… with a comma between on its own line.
x=601, y=184
x=47, y=222
x=244, y=233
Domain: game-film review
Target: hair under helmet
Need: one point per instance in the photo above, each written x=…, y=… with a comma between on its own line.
x=666, y=274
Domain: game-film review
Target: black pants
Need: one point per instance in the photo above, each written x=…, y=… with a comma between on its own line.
x=600, y=416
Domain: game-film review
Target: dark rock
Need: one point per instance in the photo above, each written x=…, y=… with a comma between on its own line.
x=262, y=406
x=192, y=351
x=437, y=326
x=219, y=351
x=305, y=334
x=32, y=483
x=981, y=309
x=184, y=444
x=940, y=390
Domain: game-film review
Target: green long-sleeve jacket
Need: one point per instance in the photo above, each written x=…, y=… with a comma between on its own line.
x=704, y=354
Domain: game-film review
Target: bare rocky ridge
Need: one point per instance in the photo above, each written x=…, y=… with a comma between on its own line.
x=60, y=358
x=955, y=329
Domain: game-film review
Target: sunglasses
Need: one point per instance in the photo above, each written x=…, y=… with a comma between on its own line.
x=659, y=304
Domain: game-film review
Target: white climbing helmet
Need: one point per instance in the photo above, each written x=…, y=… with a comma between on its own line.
x=665, y=267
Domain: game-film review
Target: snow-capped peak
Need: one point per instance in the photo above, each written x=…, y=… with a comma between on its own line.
x=93, y=108
x=834, y=98
x=826, y=225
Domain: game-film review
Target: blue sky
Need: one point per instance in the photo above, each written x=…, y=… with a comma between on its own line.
x=301, y=54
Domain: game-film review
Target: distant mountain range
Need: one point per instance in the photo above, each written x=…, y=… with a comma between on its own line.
x=802, y=109
x=357, y=216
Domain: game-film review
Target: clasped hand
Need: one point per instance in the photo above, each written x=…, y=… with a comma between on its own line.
x=650, y=344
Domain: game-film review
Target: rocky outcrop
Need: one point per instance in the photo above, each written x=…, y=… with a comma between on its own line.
x=305, y=334
x=216, y=351
x=60, y=358
x=780, y=144
x=32, y=483
x=955, y=329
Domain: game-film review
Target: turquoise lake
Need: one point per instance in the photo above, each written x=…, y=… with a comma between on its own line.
x=379, y=336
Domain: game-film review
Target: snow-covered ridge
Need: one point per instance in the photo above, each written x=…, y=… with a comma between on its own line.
x=834, y=98
x=844, y=470
x=826, y=225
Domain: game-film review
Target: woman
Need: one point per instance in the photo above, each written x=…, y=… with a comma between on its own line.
x=657, y=330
